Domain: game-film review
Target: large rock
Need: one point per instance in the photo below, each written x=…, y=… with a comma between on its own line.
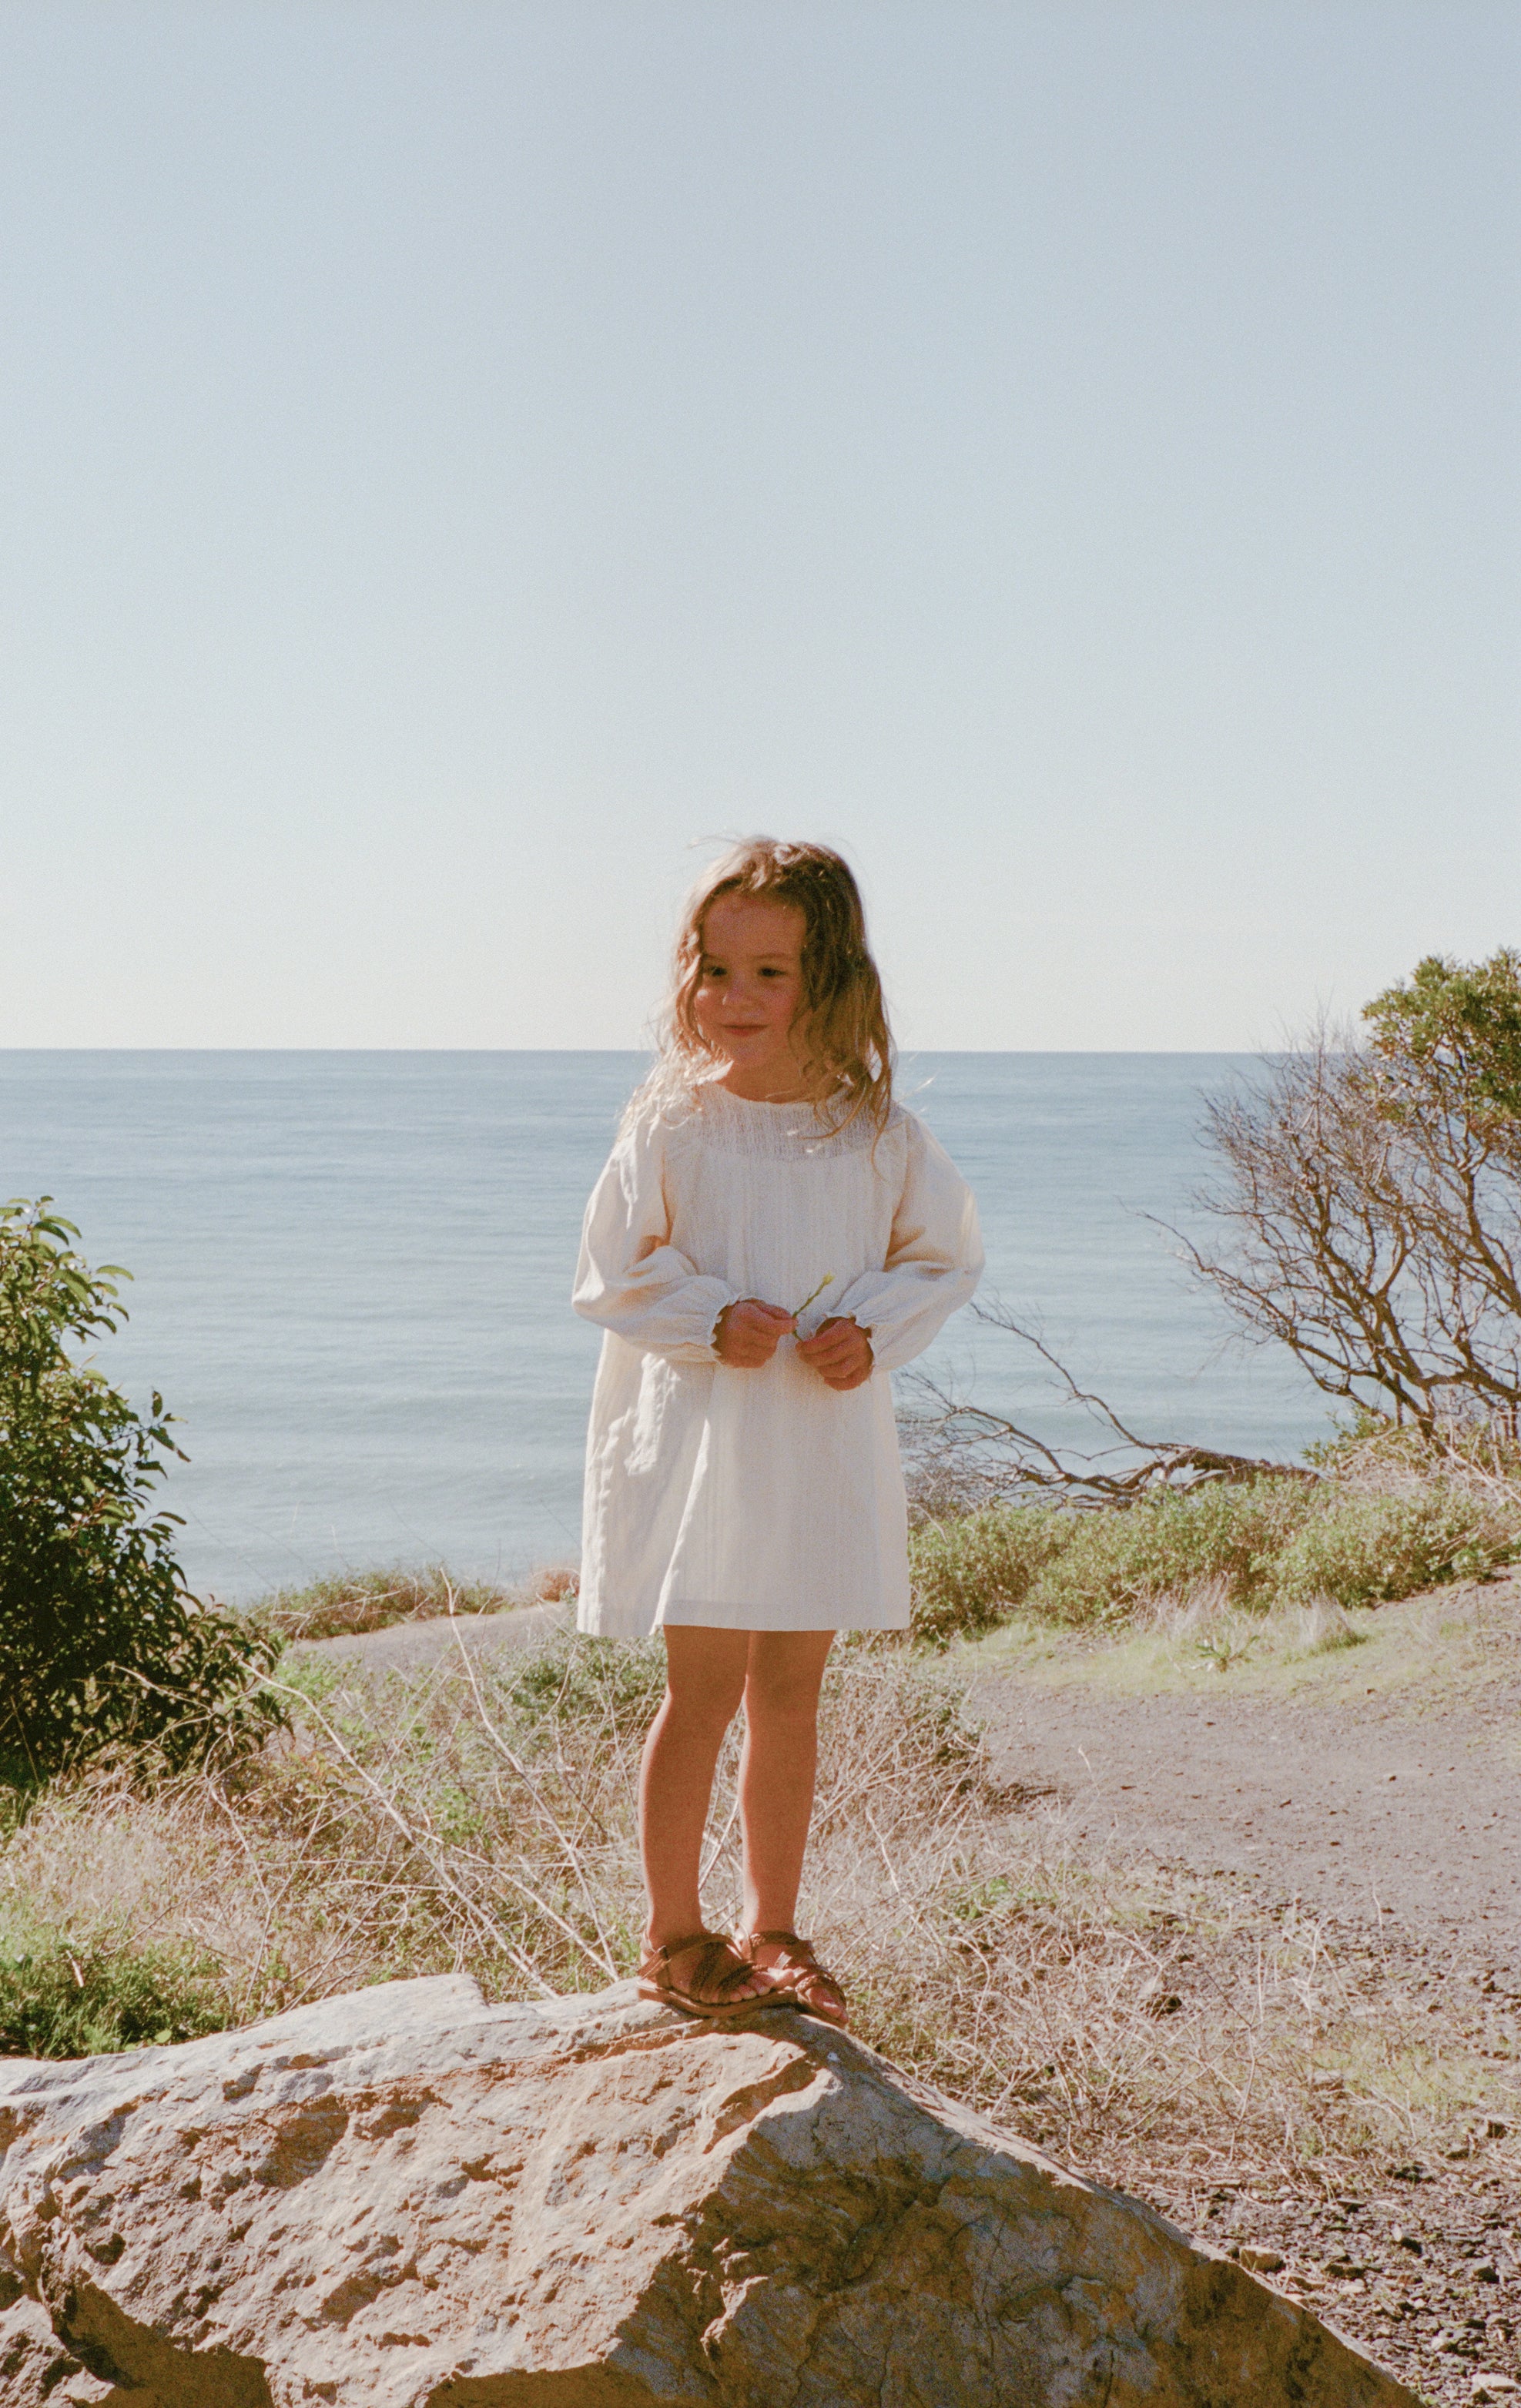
x=406, y=2199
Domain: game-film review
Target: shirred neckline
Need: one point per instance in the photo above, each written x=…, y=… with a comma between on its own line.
x=782, y=1131
x=766, y=1104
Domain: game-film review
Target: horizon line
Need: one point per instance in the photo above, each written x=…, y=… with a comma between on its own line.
x=906, y=1052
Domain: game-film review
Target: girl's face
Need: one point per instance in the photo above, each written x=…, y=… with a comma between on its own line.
x=749, y=991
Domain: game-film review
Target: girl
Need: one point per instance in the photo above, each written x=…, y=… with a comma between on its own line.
x=773, y=1236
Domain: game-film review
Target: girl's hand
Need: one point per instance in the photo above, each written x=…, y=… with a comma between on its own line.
x=748, y=1333
x=839, y=1352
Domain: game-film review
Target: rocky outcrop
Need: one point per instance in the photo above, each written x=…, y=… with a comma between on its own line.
x=407, y=2199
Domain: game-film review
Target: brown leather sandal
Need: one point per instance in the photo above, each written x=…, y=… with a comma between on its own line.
x=797, y=1977
x=709, y=1989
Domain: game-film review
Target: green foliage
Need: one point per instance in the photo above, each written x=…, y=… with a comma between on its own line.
x=101, y=1643
x=1266, y=1543
x=970, y=1570
x=1458, y=1026
x=66, y=1996
x=1365, y=1550
x=573, y=1682
x=1114, y=1564
x=1096, y=1567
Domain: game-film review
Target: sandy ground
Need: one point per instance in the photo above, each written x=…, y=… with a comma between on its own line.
x=1377, y=1783
x=1364, y=1817
x=416, y=1646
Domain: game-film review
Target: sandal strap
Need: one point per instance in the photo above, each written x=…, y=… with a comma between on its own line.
x=705, y=1985
x=802, y=1951
x=797, y=1974
x=666, y=1949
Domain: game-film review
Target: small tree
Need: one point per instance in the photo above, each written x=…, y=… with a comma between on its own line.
x=101, y=1643
x=1371, y=1194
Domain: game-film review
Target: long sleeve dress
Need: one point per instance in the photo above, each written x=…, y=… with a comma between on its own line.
x=757, y=1499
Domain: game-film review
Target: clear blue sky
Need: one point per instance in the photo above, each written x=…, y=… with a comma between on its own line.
x=452, y=457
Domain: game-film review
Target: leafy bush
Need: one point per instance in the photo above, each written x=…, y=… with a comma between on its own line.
x=971, y=1571
x=101, y=1643
x=1096, y=1567
x=1264, y=1542
x=1369, y=1550
x=63, y=1996
x=1114, y=1564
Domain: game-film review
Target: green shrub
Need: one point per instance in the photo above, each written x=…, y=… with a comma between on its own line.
x=1114, y=1564
x=101, y=1643
x=1098, y=1566
x=64, y=1996
x=1267, y=1541
x=971, y=1571
x=1369, y=1550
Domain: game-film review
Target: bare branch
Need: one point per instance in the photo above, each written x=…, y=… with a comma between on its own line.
x=1370, y=1206
x=962, y=1453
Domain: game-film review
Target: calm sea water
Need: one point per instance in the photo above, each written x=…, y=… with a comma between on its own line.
x=350, y=1273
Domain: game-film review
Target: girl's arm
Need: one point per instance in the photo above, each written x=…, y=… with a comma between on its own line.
x=630, y=1278
x=934, y=1258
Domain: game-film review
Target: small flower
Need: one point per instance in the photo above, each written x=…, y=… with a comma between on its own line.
x=817, y=1291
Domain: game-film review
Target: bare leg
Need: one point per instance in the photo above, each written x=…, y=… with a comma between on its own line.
x=777, y=1767
x=705, y=1679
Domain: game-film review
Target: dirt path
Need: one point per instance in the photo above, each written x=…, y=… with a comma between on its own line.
x=1379, y=1783
x=417, y=1646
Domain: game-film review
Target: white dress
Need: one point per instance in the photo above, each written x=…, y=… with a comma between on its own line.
x=757, y=1499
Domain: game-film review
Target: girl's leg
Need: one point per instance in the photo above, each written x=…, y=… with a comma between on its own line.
x=776, y=1791
x=705, y=1680
x=777, y=1770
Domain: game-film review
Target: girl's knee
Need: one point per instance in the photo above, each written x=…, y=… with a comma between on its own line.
x=705, y=1676
x=781, y=1694
x=707, y=1706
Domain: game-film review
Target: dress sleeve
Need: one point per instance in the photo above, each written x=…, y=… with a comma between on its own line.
x=934, y=1257
x=630, y=1278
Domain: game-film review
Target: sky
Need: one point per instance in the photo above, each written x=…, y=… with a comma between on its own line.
x=457, y=462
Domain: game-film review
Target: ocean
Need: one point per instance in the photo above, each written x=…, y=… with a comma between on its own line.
x=350, y=1273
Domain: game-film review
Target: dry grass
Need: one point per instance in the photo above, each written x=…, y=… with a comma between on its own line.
x=1154, y=2026
x=1204, y=1622
x=1315, y=2098
x=348, y=1604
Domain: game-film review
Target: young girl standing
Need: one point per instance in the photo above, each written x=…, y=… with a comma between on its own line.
x=773, y=1236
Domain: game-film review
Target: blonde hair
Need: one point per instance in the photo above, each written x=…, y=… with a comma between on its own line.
x=840, y=1032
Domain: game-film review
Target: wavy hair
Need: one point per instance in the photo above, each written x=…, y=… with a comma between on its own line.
x=840, y=1032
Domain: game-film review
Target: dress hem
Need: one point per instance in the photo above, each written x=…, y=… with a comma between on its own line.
x=712, y=1616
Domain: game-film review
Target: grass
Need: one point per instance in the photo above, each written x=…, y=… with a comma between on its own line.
x=65, y=1995
x=1150, y=2025
x=1435, y=1652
